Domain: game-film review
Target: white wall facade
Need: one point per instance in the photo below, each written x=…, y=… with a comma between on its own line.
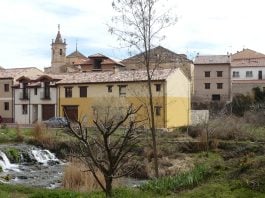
x=242, y=71
x=34, y=104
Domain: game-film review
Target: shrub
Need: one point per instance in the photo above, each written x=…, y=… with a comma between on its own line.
x=241, y=104
x=19, y=136
x=76, y=177
x=195, y=131
x=13, y=155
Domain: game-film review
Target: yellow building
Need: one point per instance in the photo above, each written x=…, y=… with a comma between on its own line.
x=79, y=93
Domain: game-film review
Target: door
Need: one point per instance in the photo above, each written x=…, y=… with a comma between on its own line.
x=260, y=75
x=71, y=111
x=35, y=113
x=48, y=111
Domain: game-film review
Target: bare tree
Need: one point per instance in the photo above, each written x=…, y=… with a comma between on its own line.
x=108, y=147
x=139, y=24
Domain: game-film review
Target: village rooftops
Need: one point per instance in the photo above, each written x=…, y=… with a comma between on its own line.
x=115, y=76
x=211, y=59
x=255, y=62
x=247, y=54
x=18, y=72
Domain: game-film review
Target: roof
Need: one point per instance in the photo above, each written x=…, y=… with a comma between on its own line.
x=247, y=54
x=159, y=50
x=76, y=53
x=105, y=60
x=211, y=59
x=119, y=76
x=255, y=62
x=18, y=72
x=58, y=38
x=98, y=55
x=161, y=58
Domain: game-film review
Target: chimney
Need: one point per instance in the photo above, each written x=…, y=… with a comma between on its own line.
x=115, y=69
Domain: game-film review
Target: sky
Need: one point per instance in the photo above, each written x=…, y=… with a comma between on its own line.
x=27, y=28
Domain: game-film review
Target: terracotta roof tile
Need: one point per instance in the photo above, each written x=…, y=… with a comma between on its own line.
x=119, y=76
x=18, y=72
x=212, y=59
x=254, y=62
x=247, y=54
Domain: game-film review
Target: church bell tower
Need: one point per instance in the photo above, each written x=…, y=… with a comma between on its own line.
x=58, y=53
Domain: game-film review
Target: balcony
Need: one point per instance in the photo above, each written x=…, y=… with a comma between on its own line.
x=23, y=95
x=45, y=95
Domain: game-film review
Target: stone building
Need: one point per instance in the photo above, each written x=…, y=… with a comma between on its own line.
x=211, y=78
x=161, y=58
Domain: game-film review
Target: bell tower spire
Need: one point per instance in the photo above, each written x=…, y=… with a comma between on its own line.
x=58, y=53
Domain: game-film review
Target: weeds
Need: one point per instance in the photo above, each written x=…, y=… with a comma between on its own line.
x=178, y=182
x=76, y=177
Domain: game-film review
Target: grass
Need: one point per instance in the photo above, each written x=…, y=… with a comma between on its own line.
x=179, y=182
x=11, y=191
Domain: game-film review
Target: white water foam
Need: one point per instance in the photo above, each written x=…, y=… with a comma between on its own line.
x=5, y=163
x=44, y=156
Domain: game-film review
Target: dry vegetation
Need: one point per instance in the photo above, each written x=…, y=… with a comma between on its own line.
x=77, y=178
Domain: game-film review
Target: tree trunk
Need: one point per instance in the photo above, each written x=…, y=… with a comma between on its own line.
x=153, y=128
x=108, y=191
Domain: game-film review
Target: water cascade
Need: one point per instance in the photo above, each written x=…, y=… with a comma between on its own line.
x=5, y=163
x=35, y=167
x=44, y=156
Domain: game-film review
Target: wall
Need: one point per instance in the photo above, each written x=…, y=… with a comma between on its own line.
x=33, y=100
x=178, y=100
x=6, y=97
x=205, y=95
x=245, y=88
x=199, y=116
x=242, y=73
x=136, y=93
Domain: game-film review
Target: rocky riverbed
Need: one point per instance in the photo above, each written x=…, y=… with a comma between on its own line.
x=30, y=166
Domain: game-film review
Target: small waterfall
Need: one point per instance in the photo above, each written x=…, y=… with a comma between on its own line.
x=44, y=156
x=5, y=163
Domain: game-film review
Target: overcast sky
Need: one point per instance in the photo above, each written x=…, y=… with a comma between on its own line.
x=206, y=27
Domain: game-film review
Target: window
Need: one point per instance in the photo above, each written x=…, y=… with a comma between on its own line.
x=219, y=85
x=236, y=74
x=6, y=104
x=83, y=92
x=24, y=109
x=216, y=97
x=109, y=88
x=97, y=63
x=35, y=91
x=260, y=75
x=219, y=73
x=122, y=90
x=158, y=110
x=61, y=52
x=6, y=87
x=249, y=74
x=46, y=90
x=207, y=74
x=158, y=87
x=68, y=92
x=207, y=85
